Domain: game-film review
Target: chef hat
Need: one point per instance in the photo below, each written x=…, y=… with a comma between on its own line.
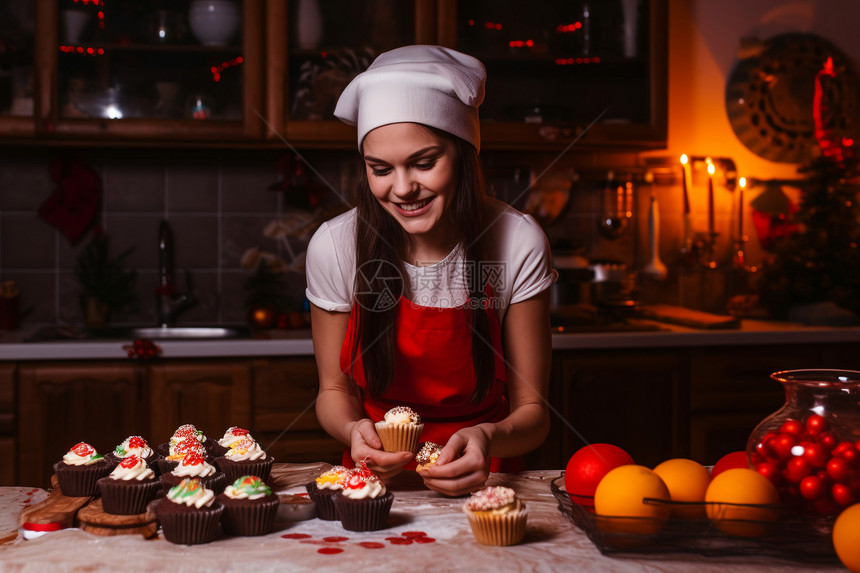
x=430, y=85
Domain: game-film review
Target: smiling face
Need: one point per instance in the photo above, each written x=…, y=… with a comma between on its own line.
x=411, y=172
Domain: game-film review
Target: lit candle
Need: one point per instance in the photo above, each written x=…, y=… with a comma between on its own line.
x=742, y=182
x=711, y=198
x=685, y=166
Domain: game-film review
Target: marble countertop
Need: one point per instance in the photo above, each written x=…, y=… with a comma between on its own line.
x=298, y=342
x=552, y=543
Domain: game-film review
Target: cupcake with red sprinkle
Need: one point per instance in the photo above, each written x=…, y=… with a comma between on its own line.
x=245, y=458
x=194, y=465
x=324, y=488
x=497, y=516
x=364, y=503
x=129, y=487
x=232, y=435
x=80, y=470
x=189, y=514
x=400, y=430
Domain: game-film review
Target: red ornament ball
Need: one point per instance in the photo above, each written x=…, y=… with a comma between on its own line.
x=730, y=461
x=587, y=467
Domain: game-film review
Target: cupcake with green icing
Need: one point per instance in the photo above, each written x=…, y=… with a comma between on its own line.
x=189, y=513
x=250, y=507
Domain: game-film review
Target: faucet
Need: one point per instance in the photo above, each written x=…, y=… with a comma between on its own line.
x=168, y=302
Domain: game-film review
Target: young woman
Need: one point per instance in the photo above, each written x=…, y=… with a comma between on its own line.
x=429, y=293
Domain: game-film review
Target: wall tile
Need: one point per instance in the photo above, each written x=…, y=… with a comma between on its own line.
x=138, y=231
x=244, y=187
x=135, y=187
x=192, y=187
x=25, y=182
x=207, y=309
x=38, y=296
x=240, y=233
x=195, y=243
x=26, y=242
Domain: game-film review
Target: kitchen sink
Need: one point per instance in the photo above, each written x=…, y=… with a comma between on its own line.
x=207, y=332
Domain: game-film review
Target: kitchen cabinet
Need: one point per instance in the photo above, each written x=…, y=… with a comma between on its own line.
x=552, y=69
x=285, y=422
x=8, y=434
x=63, y=403
x=102, y=402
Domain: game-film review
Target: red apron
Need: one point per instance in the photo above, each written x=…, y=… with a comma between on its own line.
x=434, y=375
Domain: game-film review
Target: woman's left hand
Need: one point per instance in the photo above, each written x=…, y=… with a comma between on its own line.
x=463, y=465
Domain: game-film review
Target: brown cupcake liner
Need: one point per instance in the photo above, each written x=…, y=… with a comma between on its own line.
x=248, y=517
x=216, y=482
x=322, y=498
x=498, y=529
x=126, y=497
x=81, y=481
x=185, y=525
x=215, y=449
x=234, y=470
x=399, y=437
x=363, y=514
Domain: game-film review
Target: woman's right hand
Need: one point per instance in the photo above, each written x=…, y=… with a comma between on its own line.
x=365, y=446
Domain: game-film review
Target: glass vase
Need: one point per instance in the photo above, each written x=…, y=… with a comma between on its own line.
x=810, y=448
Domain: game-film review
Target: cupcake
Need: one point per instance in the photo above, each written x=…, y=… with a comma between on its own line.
x=194, y=465
x=80, y=469
x=129, y=487
x=400, y=430
x=134, y=445
x=297, y=507
x=250, y=507
x=178, y=451
x=189, y=513
x=182, y=433
x=497, y=516
x=427, y=455
x=363, y=504
x=324, y=488
x=245, y=458
x=233, y=434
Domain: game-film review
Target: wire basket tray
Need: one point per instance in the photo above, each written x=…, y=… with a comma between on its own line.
x=792, y=537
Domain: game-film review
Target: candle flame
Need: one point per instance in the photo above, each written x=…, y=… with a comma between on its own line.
x=711, y=168
x=684, y=159
x=742, y=182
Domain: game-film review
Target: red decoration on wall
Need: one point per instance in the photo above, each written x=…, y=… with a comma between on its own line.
x=73, y=205
x=827, y=112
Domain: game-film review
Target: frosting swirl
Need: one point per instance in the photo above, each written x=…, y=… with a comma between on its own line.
x=247, y=487
x=245, y=449
x=193, y=465
x=402, y=415
x=133, y=445
x=233, y=434
x=187, y=431
x=132, y=468
x=361, y=483
x=494, y=498
x=333, y=478
x=191, y=492
x=82, y=454
x=178, y=450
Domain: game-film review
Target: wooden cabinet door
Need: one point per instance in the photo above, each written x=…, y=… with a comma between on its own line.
x=8, y=439
x=285, y=421
x=61, y=404
x=212, y=395
x=633, y=399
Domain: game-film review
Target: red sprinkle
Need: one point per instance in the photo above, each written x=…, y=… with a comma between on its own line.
x=424, y=540
x=335, y=539
x=399, y=540
x=413, y=534
x=296, y=536
x=371, y=544
x=329, y=550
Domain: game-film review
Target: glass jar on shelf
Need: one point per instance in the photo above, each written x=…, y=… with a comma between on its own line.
x=810, y=448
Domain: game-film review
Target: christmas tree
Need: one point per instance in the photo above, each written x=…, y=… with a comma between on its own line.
x=821, y=261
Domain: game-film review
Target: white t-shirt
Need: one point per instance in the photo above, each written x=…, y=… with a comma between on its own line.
x=517, y=265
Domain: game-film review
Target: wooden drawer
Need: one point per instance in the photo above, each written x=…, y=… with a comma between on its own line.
x=9, y=467
x=285, y=391
x=7, y=399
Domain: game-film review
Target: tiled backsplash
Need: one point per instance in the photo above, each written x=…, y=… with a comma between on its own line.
x=218, y=202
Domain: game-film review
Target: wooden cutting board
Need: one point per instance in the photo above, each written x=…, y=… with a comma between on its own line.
x=688, y=317
x=93, y=519
x=56, y=508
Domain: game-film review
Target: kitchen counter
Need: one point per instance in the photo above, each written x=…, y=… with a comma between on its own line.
x=551, y=543
x=298, y=342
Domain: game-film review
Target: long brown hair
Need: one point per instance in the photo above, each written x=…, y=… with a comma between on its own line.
x=381, y=272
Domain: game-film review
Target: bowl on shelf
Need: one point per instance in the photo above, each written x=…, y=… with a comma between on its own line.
x=214, y=22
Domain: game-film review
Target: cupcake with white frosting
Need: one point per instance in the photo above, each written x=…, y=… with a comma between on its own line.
x=189, y=514
x=194, y=465
x=245, y=458
x=250, y=507
x=400, y=430
x=80, y=469
x=497, y=516
x=129, y=487
x=364, y=502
